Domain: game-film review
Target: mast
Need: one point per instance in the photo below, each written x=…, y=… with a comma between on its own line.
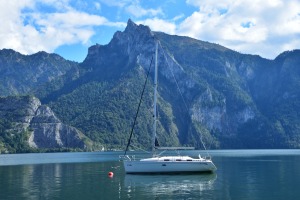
x=154, y=102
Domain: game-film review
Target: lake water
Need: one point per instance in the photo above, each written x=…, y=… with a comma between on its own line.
x=241, y=174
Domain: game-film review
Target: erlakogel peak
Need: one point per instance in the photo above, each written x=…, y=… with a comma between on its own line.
x=232, y=100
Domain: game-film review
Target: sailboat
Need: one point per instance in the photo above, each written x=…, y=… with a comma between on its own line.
x=165, y=164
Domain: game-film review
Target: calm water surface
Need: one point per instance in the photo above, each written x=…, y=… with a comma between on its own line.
x=241, y=174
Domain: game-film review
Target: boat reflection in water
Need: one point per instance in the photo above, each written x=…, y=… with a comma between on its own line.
x=164, y=186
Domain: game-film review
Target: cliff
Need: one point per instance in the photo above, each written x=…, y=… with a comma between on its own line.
x=35, y=124
x=207, y=93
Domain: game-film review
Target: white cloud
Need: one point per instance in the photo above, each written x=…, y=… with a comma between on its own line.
x=70, y=19
x=134, y=8
x=117, y=3
x=178, y=17
x=97, y=5
x=156, y=24
x=12, y=29
x=137, y=11
x=249, y=26
x=28, y=30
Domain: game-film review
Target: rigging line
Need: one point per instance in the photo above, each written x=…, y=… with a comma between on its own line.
x=137, y=112
x=181, y=93
x=136, y=147
x=176, y=82
x=203, y=145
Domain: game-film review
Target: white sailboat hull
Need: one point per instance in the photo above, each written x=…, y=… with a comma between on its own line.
x=160, y=165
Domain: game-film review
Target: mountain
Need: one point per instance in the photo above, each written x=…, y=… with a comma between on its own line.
x=21, y=74
x=207, y=93
x=26, y=125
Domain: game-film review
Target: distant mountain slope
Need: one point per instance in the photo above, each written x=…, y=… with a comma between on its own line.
x=26, y=126
x=230, y=100
x=21, y=74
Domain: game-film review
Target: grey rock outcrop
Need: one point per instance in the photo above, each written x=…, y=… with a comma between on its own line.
x=46, y=130
x=231, y=100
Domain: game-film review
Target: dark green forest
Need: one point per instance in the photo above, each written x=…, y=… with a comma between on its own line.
x=226, y=99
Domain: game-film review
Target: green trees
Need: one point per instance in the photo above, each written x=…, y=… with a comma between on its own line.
x=13, y=141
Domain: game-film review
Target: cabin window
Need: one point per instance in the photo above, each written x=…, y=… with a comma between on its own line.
x=188, y=160
x=178, y=159
x=166, y=159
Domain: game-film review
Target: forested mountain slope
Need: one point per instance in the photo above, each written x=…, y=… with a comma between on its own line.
x=230, y=100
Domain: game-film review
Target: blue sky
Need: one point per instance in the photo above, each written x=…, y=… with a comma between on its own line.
x=69, y=27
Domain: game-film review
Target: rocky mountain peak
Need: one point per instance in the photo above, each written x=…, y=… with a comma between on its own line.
x=21, y=74
x=131, y=25
x=134, y=29
x=8, y=52
x=128, y=44
x=232, y=100
x=134, y=37
x=294, y=54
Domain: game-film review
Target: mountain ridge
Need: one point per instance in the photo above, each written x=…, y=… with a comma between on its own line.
x=233, y=100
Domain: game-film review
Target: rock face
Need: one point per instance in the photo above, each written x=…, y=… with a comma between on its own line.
x=232, y=98
x=46, y=130
x=22, y=74
x=207, y=92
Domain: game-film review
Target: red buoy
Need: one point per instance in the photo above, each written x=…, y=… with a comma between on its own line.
x=110, y=174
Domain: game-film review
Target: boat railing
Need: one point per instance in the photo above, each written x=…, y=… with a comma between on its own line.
x=132, y=157
x=204, y=157
x=127, y=157
x=175, y=148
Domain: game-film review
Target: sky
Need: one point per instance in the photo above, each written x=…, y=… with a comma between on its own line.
x=70, y=27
